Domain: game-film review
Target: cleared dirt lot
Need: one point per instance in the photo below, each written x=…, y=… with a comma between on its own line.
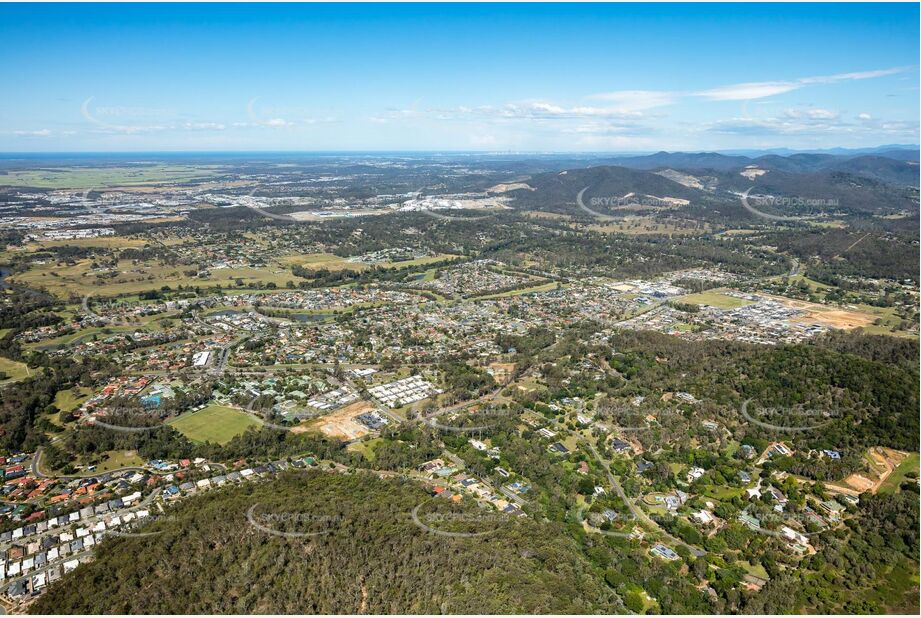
x=837, y=318
x=882, y=462
x=341, y=424
x=820, y=314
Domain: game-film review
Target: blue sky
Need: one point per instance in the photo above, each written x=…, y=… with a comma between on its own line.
x=511, y=77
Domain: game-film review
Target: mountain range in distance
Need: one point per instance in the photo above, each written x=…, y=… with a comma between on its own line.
x=800, y=162
x=859, y=184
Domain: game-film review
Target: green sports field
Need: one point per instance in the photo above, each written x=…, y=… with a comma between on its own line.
x=213, y=423
x=714, y=299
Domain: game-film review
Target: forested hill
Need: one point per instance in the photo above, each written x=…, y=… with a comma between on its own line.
x=369, y=557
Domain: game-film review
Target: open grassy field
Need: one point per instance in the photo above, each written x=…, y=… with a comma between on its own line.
x=105, y=242
x=828, y=315
x=365, y=447
x=755, y=569
x=87, y=333
x=737, y=232
x=431, y=259
x=334, y=262
x=724, y=493
x=815, y=286
x=81, y=279
x=68, y=400
x=891, y=484
x=637, y=226
x=102, y=177
x=318, y=261
x=13, y=370
x=889, y=322
x=106, y=461
x=544, y=287
x=214, y=423
x=714, y=299
x=849, y=316
x=540, y=214
x=119, y=459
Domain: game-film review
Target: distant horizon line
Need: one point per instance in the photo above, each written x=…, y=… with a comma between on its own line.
x=11, y=154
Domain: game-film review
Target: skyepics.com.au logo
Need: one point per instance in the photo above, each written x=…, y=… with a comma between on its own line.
x=594, y=204
x=259, y=204
x=139, y=420
x=634, y=419
x=292, y=524
x=137, y=524
x=480, y=422
x=113, y=317
x=435, y=209
x=758, y=205
x=123, y=419
x=792, y=527
x=788, y=419
x=442, y=518
x=132, y=119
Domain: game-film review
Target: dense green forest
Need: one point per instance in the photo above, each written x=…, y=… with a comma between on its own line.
x=370, y=557
x=868, y=567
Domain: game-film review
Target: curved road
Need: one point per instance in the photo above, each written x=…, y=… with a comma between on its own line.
x=37, y=473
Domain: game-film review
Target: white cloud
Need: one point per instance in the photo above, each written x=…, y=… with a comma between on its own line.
x=38, y=133
x=204, y=126
x=864, y=116
x=527, y=110
x=279, y=117
x=759, y=90
x=637, y=100
x=803, y=123
x=840, y=77
x=747, y=92
x=815, y=113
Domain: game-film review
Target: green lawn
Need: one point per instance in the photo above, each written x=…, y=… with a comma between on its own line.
x=440, y=257
x=95, y=178
x=67, y=400
x=714, y=299
x=757, y=570
x=106, y=461
x=813, y=285
x=213, y=423
x=14, y=370
x=723, y=493
x=544, y=287
x=891, y=484
x=64, y=340
x=113, y=460
x=366, y=448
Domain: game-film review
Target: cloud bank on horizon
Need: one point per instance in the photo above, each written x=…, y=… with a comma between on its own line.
x=440, y=77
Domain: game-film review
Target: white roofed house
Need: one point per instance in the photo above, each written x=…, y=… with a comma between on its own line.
x=703, y=516
x=695, y=473
x=792, y=535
